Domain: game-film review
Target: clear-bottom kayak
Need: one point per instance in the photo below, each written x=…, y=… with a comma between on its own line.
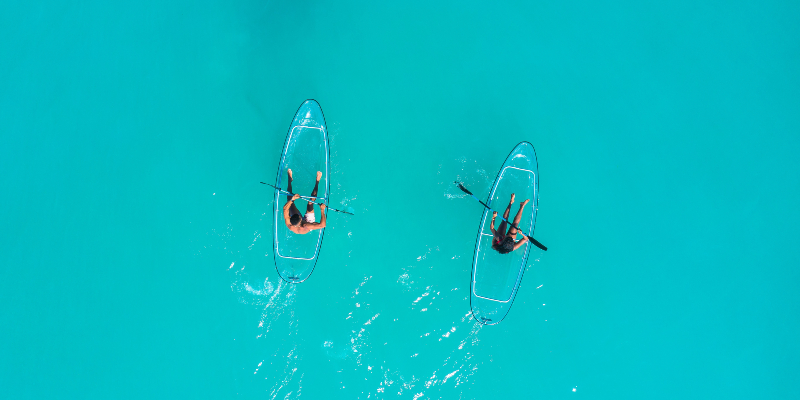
x=496, y=277
x=305, y=151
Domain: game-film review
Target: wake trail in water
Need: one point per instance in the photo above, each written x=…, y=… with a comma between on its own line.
x=276, y=304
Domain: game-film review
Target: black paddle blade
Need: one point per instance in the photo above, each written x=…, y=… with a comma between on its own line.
x=272, y=186
x=341, y=211
x=463, y=189
x=537, y=244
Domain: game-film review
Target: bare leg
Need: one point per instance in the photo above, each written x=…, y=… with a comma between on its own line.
x=310, y=207
x=293, y=209
x=517, y=218
x=501, y=232
x=508, y=209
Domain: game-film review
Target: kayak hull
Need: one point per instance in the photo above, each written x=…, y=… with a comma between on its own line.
x=496, y=277
x=305, y=151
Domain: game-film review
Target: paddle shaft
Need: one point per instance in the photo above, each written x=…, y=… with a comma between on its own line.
x=308, y=199
x=534, y=241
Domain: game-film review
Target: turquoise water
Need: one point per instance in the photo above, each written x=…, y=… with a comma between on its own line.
x=137, y=249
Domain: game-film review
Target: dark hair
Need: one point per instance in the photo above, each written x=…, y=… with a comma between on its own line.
x=295, y=219
x=504, y=247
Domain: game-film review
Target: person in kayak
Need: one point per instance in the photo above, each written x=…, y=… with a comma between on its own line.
x=506, y=242
x=302, y=223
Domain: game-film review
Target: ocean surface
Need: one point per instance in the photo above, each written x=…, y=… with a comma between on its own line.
x=136, y=256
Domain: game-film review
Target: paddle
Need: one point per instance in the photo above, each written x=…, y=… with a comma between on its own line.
x=534, y=241
x=311, y=200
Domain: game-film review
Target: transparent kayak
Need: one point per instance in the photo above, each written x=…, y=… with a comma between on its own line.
x=496, y=277
x=305, y=151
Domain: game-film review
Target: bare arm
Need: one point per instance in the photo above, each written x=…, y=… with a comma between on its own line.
x=321, y=224
x=286, y=208
x=491, y=226
x=322, y=208
x=521, y=242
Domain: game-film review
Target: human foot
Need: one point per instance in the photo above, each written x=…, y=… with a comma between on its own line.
x=524, y=202
x=319, y=175
x=512, y=198
x=289, y=171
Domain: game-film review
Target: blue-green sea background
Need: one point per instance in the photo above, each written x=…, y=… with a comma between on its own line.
x=136, y=249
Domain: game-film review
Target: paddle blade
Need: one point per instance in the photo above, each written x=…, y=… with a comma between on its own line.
x=537, y=244
x=463, y=189
x=272, y=186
